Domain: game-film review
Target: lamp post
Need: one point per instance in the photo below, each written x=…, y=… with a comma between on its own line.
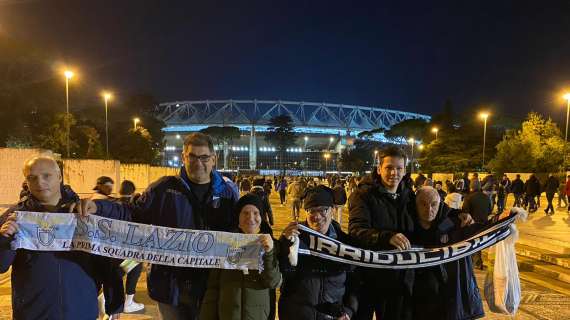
x=306, y=140
x=68, y=75
x=327, y=156
x=435, y=130
x=567, y=97
x=412, y=140
x=484, y=116
x=375, y=157
x=107, y=96
x=135, y=121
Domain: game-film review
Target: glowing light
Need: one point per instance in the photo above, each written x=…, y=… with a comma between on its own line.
x=68, y=74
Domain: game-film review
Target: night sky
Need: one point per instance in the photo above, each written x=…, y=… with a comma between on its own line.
x=410, y=55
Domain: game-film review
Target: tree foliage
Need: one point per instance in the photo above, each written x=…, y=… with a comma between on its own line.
x=537, y=147
x=281, y=135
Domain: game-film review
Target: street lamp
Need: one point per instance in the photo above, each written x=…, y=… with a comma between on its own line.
x=484, y=116
x=107, y=96
x=135, y=121
x=327, y=156
x=306, y=140
x=421, y=147
x=567, y=97
x=411, y=141
x=375, y=156
x=68, y=75
x=435, y=130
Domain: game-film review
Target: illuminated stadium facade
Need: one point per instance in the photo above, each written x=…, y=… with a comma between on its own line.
x=324, y=130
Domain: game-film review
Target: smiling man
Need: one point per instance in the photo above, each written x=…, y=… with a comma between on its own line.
x=44, y=283
x=381, y=215
x=199, y=198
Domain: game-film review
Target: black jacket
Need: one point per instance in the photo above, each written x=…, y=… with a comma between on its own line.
x=375, y=215
x=448, y=291
x=517, y=186
x=316, y=287
x=532, y=187
x=551, y=185
x=478, y=205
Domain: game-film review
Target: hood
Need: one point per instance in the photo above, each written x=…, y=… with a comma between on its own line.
x=216, y=179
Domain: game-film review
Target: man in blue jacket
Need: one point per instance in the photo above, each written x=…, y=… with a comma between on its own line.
x=199, y=198
x=45, y=284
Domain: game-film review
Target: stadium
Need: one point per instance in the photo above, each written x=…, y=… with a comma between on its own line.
x=323, y=129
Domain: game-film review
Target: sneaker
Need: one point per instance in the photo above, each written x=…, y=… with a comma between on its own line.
x=133, y=307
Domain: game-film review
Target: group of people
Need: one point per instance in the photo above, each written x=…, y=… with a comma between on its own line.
x=384, y=214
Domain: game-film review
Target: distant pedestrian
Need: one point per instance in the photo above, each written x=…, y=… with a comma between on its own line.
x=517, y=188
x=550, y=188
x=282, y=189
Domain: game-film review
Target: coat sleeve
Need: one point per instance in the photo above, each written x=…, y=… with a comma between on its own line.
x=7, y=255
x=270, y=276
x=350, y=299
x=360, y=224
x=269, y=210
x=209, y=306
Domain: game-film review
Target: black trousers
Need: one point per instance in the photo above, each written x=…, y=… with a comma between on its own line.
x=132, y=279
x=386, y=306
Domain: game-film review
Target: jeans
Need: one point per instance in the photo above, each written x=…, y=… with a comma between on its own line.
x=296, y=205
x=549, y=198
x=518, y=200
x=282, y=196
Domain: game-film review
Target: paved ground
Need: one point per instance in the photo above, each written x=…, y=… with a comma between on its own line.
x=537, y=302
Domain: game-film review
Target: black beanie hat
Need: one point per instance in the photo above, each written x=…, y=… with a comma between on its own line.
x=319, y=196
x=249, y=198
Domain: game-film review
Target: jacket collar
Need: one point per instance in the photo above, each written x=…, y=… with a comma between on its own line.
x=216, y=180
x=29, y=202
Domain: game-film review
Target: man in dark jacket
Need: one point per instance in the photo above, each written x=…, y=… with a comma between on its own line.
x=200, y=199
x=532, y=190
x=45, y=284
x=266, y=212
x=445, y=291
x=380, y=219
x=517, y=188
x=478, y=205
x=316, y=288
x=550, y=188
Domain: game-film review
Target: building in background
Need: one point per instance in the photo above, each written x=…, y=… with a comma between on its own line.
x=323, y=129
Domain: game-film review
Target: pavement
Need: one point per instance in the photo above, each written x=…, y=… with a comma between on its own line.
x=544, y=295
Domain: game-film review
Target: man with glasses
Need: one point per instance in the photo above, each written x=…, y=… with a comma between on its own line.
x=316, y=288
x=198, y=198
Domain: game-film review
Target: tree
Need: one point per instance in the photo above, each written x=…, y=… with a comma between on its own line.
x=223, y=137
x=416, y=128
x=537, y=147
x=359, y=158
x=281, y=135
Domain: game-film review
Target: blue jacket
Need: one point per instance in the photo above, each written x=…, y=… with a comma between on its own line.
x=169, y=202
x=50, y=285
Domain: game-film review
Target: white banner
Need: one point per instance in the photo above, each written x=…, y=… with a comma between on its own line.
x=134, y=241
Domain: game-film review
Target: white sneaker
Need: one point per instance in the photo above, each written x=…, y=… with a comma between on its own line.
x=133, y=307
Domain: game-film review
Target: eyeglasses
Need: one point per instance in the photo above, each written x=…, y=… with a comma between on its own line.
x=322, y=211
x=202, y=158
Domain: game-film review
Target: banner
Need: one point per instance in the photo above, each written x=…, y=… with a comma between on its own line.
x=134, y=241
x=327, y=248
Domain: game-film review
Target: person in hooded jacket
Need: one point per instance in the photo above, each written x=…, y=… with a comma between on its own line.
x=239, y=295
x=46, y=284
x=316, y=288
x=447, y=291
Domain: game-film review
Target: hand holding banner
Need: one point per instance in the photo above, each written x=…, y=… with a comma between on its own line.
x=140, y=242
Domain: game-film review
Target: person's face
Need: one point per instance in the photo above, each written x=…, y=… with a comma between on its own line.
x=44, y=181
x=319, y=218
x=438, y=186
x=106, y=188
x=392, y=170
x=427, y=207
x=198, y=161
x=249, y=219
